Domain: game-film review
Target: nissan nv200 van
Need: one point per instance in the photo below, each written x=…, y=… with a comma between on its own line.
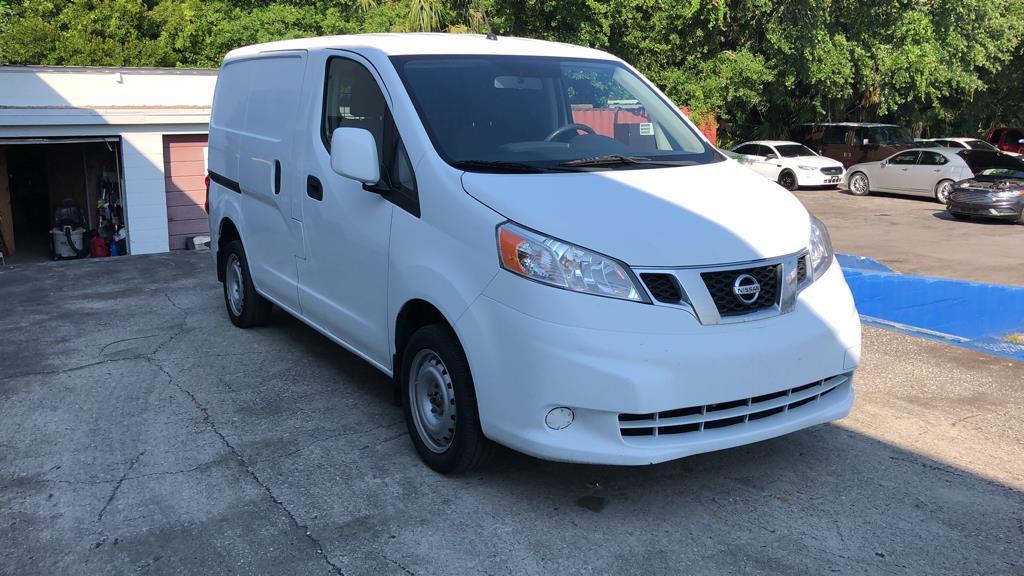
x=532, y=240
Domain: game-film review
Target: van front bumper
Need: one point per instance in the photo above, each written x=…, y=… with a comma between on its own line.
x=622, y=367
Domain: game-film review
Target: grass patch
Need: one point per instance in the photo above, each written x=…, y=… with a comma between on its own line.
x=1015, y=338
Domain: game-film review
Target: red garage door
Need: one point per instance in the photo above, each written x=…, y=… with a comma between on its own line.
x=184, y=173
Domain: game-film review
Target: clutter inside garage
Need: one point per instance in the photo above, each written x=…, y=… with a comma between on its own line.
x=61, y=199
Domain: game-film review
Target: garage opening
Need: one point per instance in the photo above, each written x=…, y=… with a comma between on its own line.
x=61, y=199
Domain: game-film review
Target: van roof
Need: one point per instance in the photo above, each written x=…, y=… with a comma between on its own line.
x=427, y=43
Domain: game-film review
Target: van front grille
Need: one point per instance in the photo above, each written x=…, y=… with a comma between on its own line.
x=721, y=286
x=695, y=419
x=801, y=269
x=663, y=287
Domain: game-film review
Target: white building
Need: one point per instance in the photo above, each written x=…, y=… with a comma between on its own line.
x=127, y=145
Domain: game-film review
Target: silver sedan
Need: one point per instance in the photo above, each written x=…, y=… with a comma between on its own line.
x=919, y=171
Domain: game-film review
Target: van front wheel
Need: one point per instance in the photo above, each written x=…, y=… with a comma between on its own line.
x=246, y=308
x=440, y=403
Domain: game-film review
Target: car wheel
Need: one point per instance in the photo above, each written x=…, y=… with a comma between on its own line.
x=439, y=402
x=246, y=308
x=788, y=180
x=859, y=184
x=943, y=190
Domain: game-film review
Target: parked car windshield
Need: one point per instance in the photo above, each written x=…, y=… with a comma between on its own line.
x=534, y=114
x=794, y=150
x=980, y=145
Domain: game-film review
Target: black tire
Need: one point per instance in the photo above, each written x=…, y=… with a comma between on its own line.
x=251, y=309
x=855, y=186
x=463, y=447
x=787, y=179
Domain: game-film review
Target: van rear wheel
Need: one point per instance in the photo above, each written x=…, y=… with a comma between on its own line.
x=439, y=402
x=246, y=308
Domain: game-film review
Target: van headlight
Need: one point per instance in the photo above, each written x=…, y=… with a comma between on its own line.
x=819, y=248
x=563, y=265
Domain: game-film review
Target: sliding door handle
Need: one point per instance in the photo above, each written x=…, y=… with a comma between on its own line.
x=314, y=189
x=277, y=176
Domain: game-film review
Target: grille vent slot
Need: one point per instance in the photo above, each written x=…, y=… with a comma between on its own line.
x=693, y=419
x=663, y=287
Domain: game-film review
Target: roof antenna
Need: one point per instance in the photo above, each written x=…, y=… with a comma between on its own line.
x=490, y=33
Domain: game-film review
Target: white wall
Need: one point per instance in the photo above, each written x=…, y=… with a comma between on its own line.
x=50, y=87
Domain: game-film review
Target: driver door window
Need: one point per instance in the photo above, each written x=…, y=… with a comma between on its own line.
x=354, y=100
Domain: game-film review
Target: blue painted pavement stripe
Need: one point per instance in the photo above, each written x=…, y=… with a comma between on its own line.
x=970, y=314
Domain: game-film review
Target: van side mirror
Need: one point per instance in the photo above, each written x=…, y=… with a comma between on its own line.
x=354, y=155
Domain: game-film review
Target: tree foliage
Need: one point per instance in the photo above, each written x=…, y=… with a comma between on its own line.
x=760, y=66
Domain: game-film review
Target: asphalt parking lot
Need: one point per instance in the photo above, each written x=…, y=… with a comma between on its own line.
x=915, y=235
x=141, y=433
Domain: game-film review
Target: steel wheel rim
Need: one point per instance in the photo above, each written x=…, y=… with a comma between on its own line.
x=432, y=400
x=234, y=285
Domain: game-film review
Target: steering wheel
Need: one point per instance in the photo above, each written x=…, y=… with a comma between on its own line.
x=574, y=127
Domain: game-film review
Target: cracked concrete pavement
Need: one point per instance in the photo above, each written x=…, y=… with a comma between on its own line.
x=141, y=433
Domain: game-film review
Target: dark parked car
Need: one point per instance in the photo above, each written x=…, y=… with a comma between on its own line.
x=853, y=142
x=1007, y=139
x=996, y=192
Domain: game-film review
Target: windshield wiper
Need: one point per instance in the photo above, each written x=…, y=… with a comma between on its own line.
x=621, y=160
x=607, y=160
x=497, y=166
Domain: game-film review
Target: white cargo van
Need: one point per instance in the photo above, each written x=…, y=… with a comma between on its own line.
x=532, y=240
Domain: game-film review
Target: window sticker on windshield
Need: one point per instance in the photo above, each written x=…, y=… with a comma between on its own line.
x=646, y=129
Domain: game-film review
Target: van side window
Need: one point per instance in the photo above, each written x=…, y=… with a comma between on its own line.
x=353, y=100
x=401, y=176
x=834, y=135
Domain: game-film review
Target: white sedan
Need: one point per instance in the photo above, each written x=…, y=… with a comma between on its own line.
x=790, y=164
x=919, y=171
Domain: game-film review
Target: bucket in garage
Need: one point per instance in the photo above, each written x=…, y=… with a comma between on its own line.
x=61, y=248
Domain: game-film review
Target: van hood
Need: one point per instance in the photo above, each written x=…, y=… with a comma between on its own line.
x=686, y=216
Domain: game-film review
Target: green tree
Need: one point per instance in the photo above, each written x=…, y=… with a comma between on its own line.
x=760, y=66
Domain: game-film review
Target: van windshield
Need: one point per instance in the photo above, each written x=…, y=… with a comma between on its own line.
x=539, y=114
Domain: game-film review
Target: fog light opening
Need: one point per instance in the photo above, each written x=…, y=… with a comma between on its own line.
x=559, y=418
